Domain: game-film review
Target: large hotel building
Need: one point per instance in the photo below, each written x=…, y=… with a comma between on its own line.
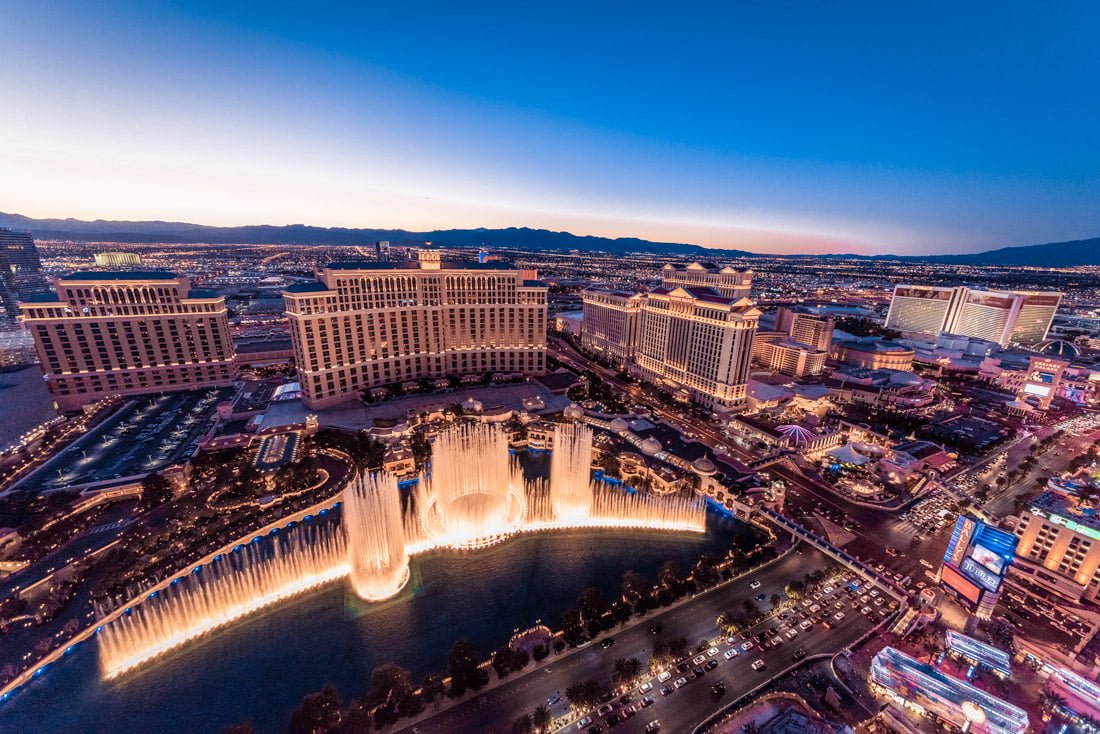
x=370, y=324
x=694, y=333
x=1004, y=317
x=111, y=333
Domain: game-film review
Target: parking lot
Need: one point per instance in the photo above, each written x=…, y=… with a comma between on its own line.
x=750, y=658
x=144, y=435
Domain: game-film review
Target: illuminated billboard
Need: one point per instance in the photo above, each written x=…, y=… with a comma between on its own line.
x=961, y=585
x=1041, y=391
x=977, y=558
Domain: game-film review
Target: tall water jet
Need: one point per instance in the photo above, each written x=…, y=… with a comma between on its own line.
x=570, y=472
x=231, y=587
x=474, y=494
x=377, y=554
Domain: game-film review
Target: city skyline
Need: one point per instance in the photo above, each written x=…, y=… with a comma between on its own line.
x=868, y=132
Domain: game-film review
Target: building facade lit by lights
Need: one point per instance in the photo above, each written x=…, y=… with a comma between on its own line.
x=929, y=692
x=105, y=333
x=727, y=281
x=368, y=324
x=610, y=324
x=1004, y=317
x=803, y=326
x=1059, y=546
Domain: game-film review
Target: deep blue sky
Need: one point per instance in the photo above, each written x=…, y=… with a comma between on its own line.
x=878, y=126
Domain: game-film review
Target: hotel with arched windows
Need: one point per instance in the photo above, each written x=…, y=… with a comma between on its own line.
x=368, y=324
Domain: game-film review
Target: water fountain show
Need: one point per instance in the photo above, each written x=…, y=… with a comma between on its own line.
x=473, y=495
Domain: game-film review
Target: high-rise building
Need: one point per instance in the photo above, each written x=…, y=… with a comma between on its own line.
x=369, y=324
x=727, y=281
x=1003, y=317
x=803, y=326
x=774, y=351
x=126, y=333
x=696, y=339
x=20, y=272
x=117, y=259
x=382, y=250
x=610, y=325
x=1060, y=545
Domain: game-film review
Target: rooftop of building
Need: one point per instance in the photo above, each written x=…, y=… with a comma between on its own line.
x=919, y=449
x=44, y=297
x=874, y=344
x=306, y=288
x=97, y=275
x=415, y=265
x=1066, y=507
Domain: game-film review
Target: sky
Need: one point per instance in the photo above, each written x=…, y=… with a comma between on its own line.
x=868, y=127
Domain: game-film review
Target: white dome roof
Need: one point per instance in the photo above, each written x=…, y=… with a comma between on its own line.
x=650, y=446
x=618, y=425
x=472, y=404
x=703, y=466
x=573, y=411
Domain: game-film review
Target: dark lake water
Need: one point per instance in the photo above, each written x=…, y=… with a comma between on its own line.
x=259, y=669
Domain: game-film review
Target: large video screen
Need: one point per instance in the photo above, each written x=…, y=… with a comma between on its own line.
x=988, y=558
x=1038, y=390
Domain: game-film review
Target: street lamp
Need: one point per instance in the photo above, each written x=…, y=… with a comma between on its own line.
x=974, y=715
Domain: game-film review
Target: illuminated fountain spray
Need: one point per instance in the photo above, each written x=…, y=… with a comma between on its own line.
x=570, y=473
x=231, y=587
x=474, y=495
x=372, y=517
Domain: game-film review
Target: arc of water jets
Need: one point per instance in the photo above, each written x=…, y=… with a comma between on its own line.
x=474, y=495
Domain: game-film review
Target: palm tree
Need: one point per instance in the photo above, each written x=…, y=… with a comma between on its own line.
x=541, y=719
x=575, y=694
x=1051, y=701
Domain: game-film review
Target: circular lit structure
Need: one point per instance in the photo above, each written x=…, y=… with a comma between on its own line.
x=474, y=495
x=796, y=434
x=573, y=412
x=618, y=425
x=650, y=446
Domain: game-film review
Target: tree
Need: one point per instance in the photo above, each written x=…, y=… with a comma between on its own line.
x=155, y=491
x=522, y=725
x=317, y=712
x=795, y=589
x=464, y=670
x=626, y=670
x=432, y=688
x=728, y=623
x=776, y=600
x=541, y=719
x=503, y=661
x=574, y=694
x=389, y=684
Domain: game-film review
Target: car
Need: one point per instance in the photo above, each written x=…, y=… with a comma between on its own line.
x=865, y=598
x=731, y=653
x=712, y=652
x=647, y=701
x=746, y=645
x=656, y=629
x=607, y=643
x=879, y=601
x=612, y=721
x=663, y=676
x=645, y=687
x=585, y=722
x=653, y=726
x=805, y=625
x=680, y=682
x=666, y=690
x=731, y=640
x=874, y=592
x=754, y=585
x=758, y=665
x=838, y=616
x=604, y=710
x=815, y=609
x=682, y=668
x=718, y=688
x=711, y=665
x=698, y=659
x=551, y=700
x=761, y=597
x=698, y=672
x=791, y=634
x=865, y=610
x=829, y=589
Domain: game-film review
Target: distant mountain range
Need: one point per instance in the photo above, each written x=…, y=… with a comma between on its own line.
x=1055, y=254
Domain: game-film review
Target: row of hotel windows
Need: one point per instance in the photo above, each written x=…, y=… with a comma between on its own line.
x=400, y=369
x=160, y=377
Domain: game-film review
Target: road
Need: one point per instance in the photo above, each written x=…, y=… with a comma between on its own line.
x=693, y=620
